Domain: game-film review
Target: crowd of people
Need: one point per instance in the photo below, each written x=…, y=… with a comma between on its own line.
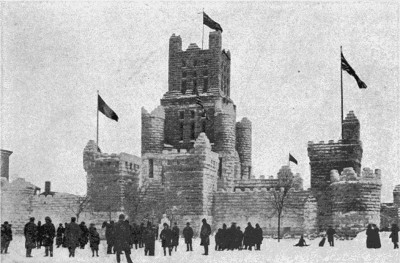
x=121, y=237
x=234, y=238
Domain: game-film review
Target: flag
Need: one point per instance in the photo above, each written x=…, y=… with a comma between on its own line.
x=292, y=159
x=211, y=23
x=346, y=67
x=103, y=108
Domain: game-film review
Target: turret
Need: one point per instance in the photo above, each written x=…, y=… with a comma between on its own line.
x=351, y=128
x=174, y=63
x=5, y=161
x=243, y=146
x=396, y=196
x=153, y=130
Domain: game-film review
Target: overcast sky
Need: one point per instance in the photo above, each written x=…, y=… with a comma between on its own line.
x=285, y=77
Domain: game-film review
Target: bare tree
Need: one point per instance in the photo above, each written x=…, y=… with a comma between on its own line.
x=281, y=193
x=81, y=204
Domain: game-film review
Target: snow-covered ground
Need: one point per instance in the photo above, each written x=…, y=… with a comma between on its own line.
x=271, y=251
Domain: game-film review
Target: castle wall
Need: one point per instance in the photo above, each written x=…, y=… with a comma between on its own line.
x=109, y=176
x=356, y=201
x=20, y=200
x=256, y=206
x=182, y=185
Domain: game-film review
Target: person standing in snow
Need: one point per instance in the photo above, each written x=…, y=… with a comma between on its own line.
x=166, y=239
x=248, y=236
x=59, y=235
x=149, y=239
x=394, y=235
x=30, y=233
x=6, y=237
x=122, y=239
x=205, y=233
x=258, y=237
x=188, y=235
x=330, y=233
x=72, y=234
x=48, y=234
x=94, y=240
x=175, y=236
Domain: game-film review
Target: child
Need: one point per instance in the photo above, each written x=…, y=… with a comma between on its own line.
x=94, y=239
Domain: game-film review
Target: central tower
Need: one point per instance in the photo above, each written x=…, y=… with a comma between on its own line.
x=191, y=72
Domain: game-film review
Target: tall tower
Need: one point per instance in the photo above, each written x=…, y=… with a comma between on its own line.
x=5, y=164
x=325, y=157
x=205, y=72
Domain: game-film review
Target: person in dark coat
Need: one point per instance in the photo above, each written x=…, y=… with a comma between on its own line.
x=394, y=235
x=84, y=238
x=59, y=235
x=64, y=243
x=72, y=234
x=224, y=238
x=188, y=235
x=48, y=234
x=6, y=237
x=330, y=233
x=30, y=233
x=175, y=236
x=230, y=237
x=248, y=239
x=110, y=237
x=258, y=236
x=166, y=239
x=239, y=238
x=375, y=237
x=218, y=239
x=141, y=233
x=94, y=240
x=122, y=236
x=135, y=235
x=205, y=233
x=370, y=236
x=149, y=239
x=39, y=235
x=301, y=243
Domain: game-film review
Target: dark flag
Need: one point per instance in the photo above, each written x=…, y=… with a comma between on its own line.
x=105, y=109
x=346, y=67
x=292, y=159
x=211, y=23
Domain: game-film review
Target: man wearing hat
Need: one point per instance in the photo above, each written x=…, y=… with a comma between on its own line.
x=188, y=235
x=6, y=237
x=30, y=233
x=49, y=232
x=205, y=233
x=122, y=239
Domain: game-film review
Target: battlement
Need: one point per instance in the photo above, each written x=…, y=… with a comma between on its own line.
x=158, y=112
x=348, y=174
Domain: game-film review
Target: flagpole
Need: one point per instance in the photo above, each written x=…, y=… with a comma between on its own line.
x=97, y=130
x=341, y=91
x=202, y=36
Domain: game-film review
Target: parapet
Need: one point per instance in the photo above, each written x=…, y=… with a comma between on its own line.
x=156, y=113
x=202, y=143
x=244, y=123
x=348, y=174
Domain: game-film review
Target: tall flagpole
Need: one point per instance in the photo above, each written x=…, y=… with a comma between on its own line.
x=341, y=91
x=97, y=130
x=202, y=36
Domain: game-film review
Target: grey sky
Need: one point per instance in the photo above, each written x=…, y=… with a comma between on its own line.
x=285, y=77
